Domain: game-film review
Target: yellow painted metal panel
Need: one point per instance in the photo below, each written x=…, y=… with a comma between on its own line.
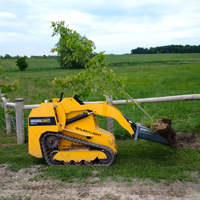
x=102, y=109
x=35, y=132
x=78, y=156
x=84, y=129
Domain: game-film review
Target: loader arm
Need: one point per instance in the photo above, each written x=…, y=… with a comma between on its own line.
x=104, y=110
x=136, y=130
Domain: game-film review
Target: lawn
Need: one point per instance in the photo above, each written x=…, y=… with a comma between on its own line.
x=178, y=58
x=33, y=64
x=145, y=79
x=147, y=76
x=135, y=159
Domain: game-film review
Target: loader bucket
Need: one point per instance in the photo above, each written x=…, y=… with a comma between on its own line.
x=144, y=133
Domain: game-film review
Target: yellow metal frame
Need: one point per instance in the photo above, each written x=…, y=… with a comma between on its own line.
x=86, y=129
x=78, y=156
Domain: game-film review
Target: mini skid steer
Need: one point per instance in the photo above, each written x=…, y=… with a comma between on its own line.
x=65, y=132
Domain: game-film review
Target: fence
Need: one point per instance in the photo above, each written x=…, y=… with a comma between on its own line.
x=19, y=108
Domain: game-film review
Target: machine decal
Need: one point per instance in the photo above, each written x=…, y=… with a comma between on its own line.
x=86, y=131
x=42, y=121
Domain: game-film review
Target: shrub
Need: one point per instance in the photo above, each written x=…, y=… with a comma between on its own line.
x=21, y=63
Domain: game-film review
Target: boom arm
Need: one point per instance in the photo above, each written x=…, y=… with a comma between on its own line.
x=105, y=110
x=136, y=130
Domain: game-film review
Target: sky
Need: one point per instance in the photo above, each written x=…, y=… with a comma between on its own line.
x=115, y=26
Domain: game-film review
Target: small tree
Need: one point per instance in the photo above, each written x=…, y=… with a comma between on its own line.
x=7, y=56
x=97, y=77
x=21, y=63
x=69, y=42
x=91, y=80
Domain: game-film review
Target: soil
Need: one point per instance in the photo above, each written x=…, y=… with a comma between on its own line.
x=176, y=140
x=21, y=185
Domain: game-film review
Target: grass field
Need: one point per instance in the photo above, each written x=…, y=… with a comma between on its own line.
x=147, y=76
x=152, y=58
x=113, y=60
x=33, y=64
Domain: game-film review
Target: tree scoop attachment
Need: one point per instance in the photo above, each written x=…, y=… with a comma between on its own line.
x=160, y=131
x=145, y=133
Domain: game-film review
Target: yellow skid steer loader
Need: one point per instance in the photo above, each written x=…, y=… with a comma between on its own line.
x=65, y=132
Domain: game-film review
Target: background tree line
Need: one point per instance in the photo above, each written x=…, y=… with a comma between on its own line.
x=167, y=49
x=7, y=56
x=79, y=63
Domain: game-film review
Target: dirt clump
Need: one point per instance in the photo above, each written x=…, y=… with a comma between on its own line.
x=164, y=129
x=175, y=139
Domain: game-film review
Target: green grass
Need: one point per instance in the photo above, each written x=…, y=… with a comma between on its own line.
x=33, y=64
x=17, y=156
x=144, y=80
x=147, y=76
x=120, y=60
x=2, y=120
x=113, y=60
x=135, y=159
x=7, y=139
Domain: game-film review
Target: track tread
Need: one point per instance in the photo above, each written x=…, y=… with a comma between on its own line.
x=46, y=153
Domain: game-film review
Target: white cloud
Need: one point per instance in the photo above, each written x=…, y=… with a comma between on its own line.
x=73, y=17
x=115, y=26
x=7, y=15
x=11, y=37
x=6, y=18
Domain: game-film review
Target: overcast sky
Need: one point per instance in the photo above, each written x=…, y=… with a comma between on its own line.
x=115, y=26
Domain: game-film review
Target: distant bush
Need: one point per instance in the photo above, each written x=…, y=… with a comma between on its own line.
x=7, y=56
x=21, y=63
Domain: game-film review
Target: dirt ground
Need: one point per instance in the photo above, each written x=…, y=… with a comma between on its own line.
x=19, y=186
x=188, y=140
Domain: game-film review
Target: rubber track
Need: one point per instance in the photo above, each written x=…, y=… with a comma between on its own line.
x=60, y=135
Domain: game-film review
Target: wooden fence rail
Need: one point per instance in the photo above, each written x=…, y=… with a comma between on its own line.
x=19, y=108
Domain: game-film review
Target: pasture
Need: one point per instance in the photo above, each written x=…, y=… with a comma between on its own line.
x=147, y=76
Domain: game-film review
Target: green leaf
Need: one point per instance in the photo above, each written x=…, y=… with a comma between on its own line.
x=77, y=50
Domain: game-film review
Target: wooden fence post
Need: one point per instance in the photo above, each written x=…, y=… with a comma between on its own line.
x=19, y=105
x=7, y=116
x=109, y=119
